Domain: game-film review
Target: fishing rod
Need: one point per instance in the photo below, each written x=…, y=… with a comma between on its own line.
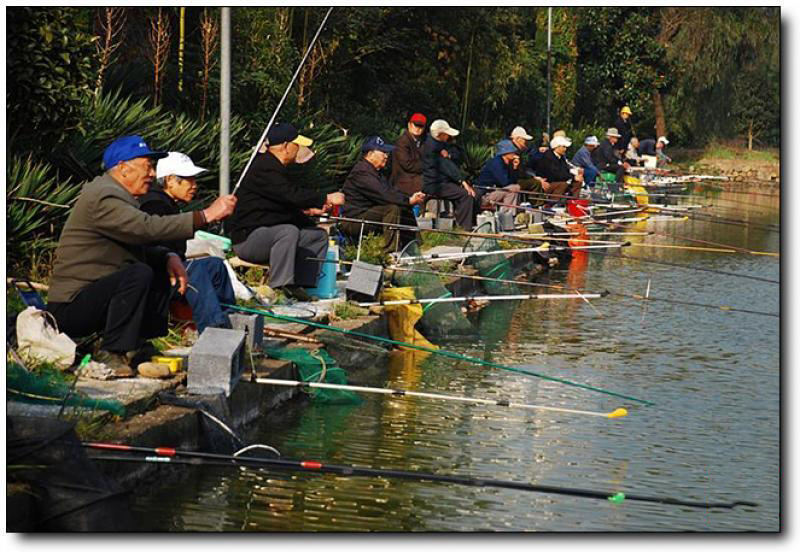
x=648, y=297
x=440, y=352
x=283, y=99
x=516, y=297
x=680, y=247
x=165, y=455
x=437, y=257
x=708, y=217
x=617, y=413
x=739, y=249
x=687, y=267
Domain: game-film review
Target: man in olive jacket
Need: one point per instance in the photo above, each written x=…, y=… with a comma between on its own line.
x=105, y=277
x=407, y=157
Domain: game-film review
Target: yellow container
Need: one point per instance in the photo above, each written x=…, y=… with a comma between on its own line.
x=175, y=363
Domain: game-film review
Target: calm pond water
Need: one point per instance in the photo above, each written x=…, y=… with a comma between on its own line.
x=712, y=434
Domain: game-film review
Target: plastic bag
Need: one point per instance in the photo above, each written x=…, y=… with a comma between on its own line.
x=39, y=340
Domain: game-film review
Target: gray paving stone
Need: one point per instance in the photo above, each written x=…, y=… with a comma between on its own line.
x=254, y=323
x=216, y=361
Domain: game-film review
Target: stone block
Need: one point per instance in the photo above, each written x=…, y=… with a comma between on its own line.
x=444, y=223
x=217, y=361
x=364, y=279
x=252, y=325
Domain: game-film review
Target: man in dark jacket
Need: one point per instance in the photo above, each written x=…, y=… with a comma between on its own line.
x=209, y=283
x=553, y=167
x=407, y=157
x=655, y=148
x=497, y=179
x=442, y=179
x=370, y=197
x=605, y=157
x=106, y=278
x=625, y=128
x=272, y=224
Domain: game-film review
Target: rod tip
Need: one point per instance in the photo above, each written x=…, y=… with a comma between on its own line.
x=618, y=413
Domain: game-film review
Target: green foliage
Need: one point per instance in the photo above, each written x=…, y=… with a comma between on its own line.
x=49, y=71
x=35, y=212
x=347, y=309
x=371, y=250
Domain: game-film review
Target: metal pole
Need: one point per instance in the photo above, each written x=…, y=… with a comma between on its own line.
x=225, y=103
x=549, y=43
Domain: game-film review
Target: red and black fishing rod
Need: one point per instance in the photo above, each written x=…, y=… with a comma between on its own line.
x=167, y=455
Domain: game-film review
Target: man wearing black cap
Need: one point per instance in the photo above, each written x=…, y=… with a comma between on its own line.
x=371, y=197
x=271, y=223
x=105, y=277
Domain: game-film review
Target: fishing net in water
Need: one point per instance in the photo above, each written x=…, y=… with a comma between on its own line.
x=439, y=320
x=491, y=266
x=318, y=367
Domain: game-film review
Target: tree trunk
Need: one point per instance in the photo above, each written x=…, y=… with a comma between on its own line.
x=658, y=108
x=750, y=136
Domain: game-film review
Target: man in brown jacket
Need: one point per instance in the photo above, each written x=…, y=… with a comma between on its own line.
x=407, y=157
x=105, y=277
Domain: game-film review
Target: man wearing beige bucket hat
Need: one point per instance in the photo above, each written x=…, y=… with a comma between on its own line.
x=605, y=157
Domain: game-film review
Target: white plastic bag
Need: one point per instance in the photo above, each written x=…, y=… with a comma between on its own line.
x=199, y=247
x=40, y=341
x=239, y=290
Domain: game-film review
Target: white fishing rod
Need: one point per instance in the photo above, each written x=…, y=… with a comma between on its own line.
x=283, y=99
x=618, y=413
x=517, y=297
x=436, y=257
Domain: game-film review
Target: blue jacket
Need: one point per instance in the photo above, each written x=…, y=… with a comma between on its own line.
x=496, y=174
x=583, y=158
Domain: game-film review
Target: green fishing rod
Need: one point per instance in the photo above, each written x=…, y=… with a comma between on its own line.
x=440, y=352
x=168, y=455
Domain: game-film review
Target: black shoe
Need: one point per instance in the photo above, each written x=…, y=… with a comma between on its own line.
x=143, y=354
x=297, y=292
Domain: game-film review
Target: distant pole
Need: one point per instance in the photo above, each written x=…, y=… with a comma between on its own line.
x=225, y=102
x=549, y=42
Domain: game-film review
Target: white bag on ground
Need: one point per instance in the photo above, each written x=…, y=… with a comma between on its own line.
x=239, y=290
x=199, y=247
x=38, y=340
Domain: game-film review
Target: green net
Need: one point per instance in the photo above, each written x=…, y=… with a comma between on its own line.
x=317, y=366
x=491, y=266
x=439, y=320
x=29, y=387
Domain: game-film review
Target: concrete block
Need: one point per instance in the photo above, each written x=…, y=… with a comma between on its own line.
x=425, y=222
x=505, y=222
x=252, y=325
x=217, y=360
x=484, y=218
x=365, y=279
x=444, y=223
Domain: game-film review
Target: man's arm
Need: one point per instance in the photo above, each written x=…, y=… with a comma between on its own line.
x=377, y=189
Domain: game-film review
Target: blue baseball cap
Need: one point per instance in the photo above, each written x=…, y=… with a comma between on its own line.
x=376, y=143
x=504, y=146
x=127, y=148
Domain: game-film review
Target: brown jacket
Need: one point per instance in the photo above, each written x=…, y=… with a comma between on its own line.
x=105, y=231
x=407, y=164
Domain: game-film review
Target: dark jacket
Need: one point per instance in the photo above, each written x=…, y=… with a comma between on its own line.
x=157, y=202
x=604, y=157
x=104, y=232
x=365, y=187
x=554, y=169
x=436, y=170
x=267, y=198
x=626, y=130
x=496, y=174
x=647, y=146
x=407, y=164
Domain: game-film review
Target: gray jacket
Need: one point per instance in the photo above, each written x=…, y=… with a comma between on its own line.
x=105, y=231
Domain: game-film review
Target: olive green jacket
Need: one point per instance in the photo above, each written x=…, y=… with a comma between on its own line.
x=105, y=231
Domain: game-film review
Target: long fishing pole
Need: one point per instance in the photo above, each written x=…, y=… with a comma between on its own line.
x=708, y=217
x=440, y=352
x=680, y=247
x=691, y=304
x=515, y=297
x=437, y=257
x=687, y=267
x=737, y=248
x=617, y=413
x=283, y=99
x=165, y=455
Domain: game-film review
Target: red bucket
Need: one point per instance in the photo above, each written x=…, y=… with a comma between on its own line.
x=578, y=207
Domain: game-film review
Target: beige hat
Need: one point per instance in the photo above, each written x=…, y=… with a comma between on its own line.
x=440, y=126
x=519, y=132
x=560, y=141
x=613, y=132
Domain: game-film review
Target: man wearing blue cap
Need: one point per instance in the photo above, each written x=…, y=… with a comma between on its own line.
x=371, y=197
x=583, y=159
x=498, y=177
x=271, y=222
x=105, y=277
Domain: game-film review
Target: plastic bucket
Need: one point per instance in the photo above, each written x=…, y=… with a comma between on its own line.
x=578, y=207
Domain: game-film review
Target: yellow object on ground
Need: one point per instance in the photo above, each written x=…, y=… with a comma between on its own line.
x=175, y=363
x=634, y=185
x=402, y=319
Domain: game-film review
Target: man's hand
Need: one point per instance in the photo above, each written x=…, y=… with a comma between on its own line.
x=177, y=272
x=444, y=153
x=315, y=212
x=416, y=199
x=627, y=166
x=221, y=208
x=515, y=163
x=468, y=188
x=336, y=198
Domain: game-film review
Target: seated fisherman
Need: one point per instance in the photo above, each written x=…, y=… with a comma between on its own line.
x=606, y=159
x=632, y=153
x=583, y=159
x=655, y=147
x=554, y=168
x=498, y=172
x=271, y=223
x=106, y=278
x=209, y=284
x=371, y=197
x=442, y=179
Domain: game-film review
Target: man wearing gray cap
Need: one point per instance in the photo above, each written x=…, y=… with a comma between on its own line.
x=605, y=157
x=441, y=177
x=583, y=159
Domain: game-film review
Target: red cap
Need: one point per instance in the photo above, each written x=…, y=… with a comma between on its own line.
x=418, y=118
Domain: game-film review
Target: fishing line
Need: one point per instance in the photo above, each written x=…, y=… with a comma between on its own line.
x=690, y=303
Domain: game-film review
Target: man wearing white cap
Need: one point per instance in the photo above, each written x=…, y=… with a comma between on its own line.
x=555, y=169
x=605, y=157
x=655, y=147
x=441, y=177
x=209, y=283
x=583, y=159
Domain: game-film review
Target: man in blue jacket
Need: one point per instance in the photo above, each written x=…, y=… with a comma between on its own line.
x=497, y=180
x=371, y=197
x=583, y=159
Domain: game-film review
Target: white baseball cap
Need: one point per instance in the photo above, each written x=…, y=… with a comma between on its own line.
x=179, y=164
x=560, y=141
x=519, y=132
x=664, y=140
x=592, y=141
x=440, y=126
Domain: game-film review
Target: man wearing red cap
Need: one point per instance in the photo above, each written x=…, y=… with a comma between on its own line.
x=407, y=157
